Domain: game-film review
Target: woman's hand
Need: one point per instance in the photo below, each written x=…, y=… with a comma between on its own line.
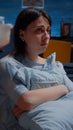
x=17, y=111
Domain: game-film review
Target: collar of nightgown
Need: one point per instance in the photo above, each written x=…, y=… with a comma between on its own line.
x=49, y=61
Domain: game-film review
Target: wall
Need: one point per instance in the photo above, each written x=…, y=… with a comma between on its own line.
x=60, y=10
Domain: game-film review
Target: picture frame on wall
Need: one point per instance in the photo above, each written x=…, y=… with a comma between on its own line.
x=33, y=3
x=65, y=29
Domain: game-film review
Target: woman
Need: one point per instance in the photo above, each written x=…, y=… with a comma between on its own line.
x=45, y=78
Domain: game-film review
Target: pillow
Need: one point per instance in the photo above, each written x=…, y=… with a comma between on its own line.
x=5, y=30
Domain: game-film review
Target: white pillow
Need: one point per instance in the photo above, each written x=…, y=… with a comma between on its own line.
x=5, y=30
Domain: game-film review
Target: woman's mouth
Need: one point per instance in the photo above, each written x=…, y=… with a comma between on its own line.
x=44, y=44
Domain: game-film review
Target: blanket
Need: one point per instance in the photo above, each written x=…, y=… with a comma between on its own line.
x=52, y=115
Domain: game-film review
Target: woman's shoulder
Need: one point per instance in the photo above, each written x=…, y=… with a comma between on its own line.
x=9, y=60
x=10, y=65
x=51, y=59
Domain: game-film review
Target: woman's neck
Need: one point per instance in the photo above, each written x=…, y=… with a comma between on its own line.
x=37, y=59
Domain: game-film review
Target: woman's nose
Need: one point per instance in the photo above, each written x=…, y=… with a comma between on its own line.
x=46, y=34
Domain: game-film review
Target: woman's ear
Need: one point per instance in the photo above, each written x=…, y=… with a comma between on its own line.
x=21, y=35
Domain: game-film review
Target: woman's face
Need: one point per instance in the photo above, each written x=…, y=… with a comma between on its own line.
x=37, y=36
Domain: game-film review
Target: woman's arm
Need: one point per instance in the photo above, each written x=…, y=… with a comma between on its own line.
x=33, y=98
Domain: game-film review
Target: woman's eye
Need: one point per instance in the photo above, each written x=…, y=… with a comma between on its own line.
x=39, y=30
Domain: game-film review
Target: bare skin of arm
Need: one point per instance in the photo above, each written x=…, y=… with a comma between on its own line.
x=33, y=98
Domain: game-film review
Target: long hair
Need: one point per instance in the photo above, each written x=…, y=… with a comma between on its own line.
x=26, y=17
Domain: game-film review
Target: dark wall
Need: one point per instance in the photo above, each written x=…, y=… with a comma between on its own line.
x=60, y=11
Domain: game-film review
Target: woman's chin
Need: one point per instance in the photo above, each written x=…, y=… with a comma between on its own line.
x=43, y=50
x=45, y=47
